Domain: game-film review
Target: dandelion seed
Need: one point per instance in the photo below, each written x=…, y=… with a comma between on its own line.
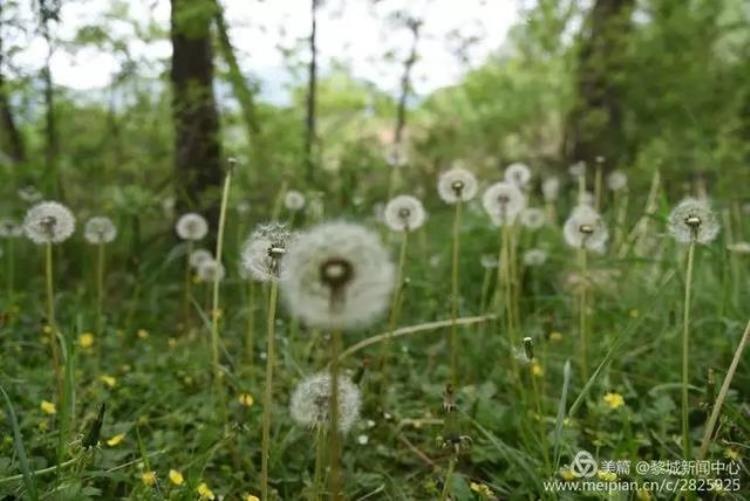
x=49, y=222
x=617, y=180
x=518, y=174
x=457, y=184
x=176, y=477
x=310, y=403
x=533, y=218
x=48, y=407
x=550, y=189
x=586, y=229
x=404, y=213
x=534, y=257
x=199, y=256
x=693, y=219
x=191, y=226
x=210, y=271
x=294, y=200
x=86, y=340
x=578, y=169
x=263, y=250
x=337, y=276
x=30, y=194
x=503, y=202
x=99, y=230
x=148, y=478
x=9, y=228
x=116, y=440
x=205, y=492
x=613, y=400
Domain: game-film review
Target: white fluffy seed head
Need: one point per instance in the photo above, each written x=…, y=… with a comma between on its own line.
x=488, y=261
x=294, y=200
x=100, y=230
x=9, y=228
x=586, y=229
x=533, y=218
x=263, y=251
x=578, y=169
x=550, y=189
x=210, y=270
x=192, y=226
x=617, y=180
x=503, y=202
x=198, y=256
x=49, y=222
x=518, y=174
x=693, y=219
x=534, y=257
x=457, y=184
x=337, y=276
x=311, y=402
x=404, y=213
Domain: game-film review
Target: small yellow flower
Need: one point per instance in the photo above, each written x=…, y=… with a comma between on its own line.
x=643, y=494
x=567, y=474
x=48, y=407
x=204, y=492
x=108, y=380
x=250, y=497
x=634, y=313
x=246, y=399
x=732, y=454
x=176, y=477
x=606, y=476
x=142, y=333
x=116, y=440
x=536, y=369
x=47, y=329
x=148, y=478
x=614, y=400
x=481, y=489
x=555, y=336
x=86, y=340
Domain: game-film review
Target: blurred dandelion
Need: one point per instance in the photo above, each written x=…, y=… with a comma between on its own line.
x=457, y=184
x=10, y=229
x=550, y=192
x=578, y=169
x=586, y=229
x=739, y=247
x=617, y=180
x=533, y=218
x=210, y=270
x=503, y=202
x=404, y=213
x=310, y=403
x=192, y=227
x=199, y=256
x=30, y=194
x=534, y=257
x=518, y=174
x=294, y=200
x=100, y=230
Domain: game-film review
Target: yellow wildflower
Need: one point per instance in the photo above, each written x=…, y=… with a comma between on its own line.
x=732, y=454
x=606, y=476
x=250, y=497
x=148, y=478
x=204, y=492
x=142, y=333
x=86, y=340
x=643, y=494
x=567, y=474
x=481, y=489
x=555, y=336
x=634, y=313
x=246, y=399
x=536, y=369
x=614, y=400
x=47, y=329
x=176, y=477
x=116, y=440
x=108, y=380
x=48, y=407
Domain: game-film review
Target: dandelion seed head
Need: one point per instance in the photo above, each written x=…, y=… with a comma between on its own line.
x=533, y=218
x=586, y=198
x=264, y=249
x=488, y=261
x=9, y=228
x=210, y=270
x=337, y=276
x=693, y=219
x=49, y=222
x=617, y=180
x=534, y=257
x=457, y=184
x=30, y=194
x=503, y=202
x=311, y=402
x=404, y=213
x=550, y=189
x=585, y=228
x=198, y=256
x=100, y=230
x=294, y=200
x=192, y=226
x=578, y=169
x=518, y=174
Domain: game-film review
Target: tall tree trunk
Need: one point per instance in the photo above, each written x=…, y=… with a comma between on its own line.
x=310, y=122
x=11, y=141
x=595, y=124
x=49, y=10
x=398, y=133
x=197, y=163
x=240, y=87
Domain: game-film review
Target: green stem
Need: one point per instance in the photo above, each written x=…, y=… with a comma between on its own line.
x=51, y=321
x=393, y=316
x=582, y=307
x=187, y=288
x=503, y=282
x=11, y=270
x=455, y=294
x=336, y=481
x=448, y=476
x=685, y=351
x=320, y=453
x=99, y=288
x=250, y=328
x=268, y=393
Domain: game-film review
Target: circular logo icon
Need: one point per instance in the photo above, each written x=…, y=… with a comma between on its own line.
x=584, y=465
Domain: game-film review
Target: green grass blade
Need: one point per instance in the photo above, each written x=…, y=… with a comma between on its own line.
x=561, y=412
x=28, y=475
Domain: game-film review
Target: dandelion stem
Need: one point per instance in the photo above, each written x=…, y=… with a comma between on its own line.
x=51, y=321
x=448, y=476
x=11, y=270
x=335, y=439
x=685, y=351
x=503, y=280
x=393, y=316
x=455, y=294
x=268, y=394
x=250, y=327
x=187, y=287
x=582, y=311
x=320, y=453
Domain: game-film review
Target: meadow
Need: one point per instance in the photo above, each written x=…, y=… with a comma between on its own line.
x=478, y=345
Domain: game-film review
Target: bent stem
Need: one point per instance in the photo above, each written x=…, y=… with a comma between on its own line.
x=268, y=394
x=455, y=294
x=685, y=351
x=335, y=439
x=51, y=321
